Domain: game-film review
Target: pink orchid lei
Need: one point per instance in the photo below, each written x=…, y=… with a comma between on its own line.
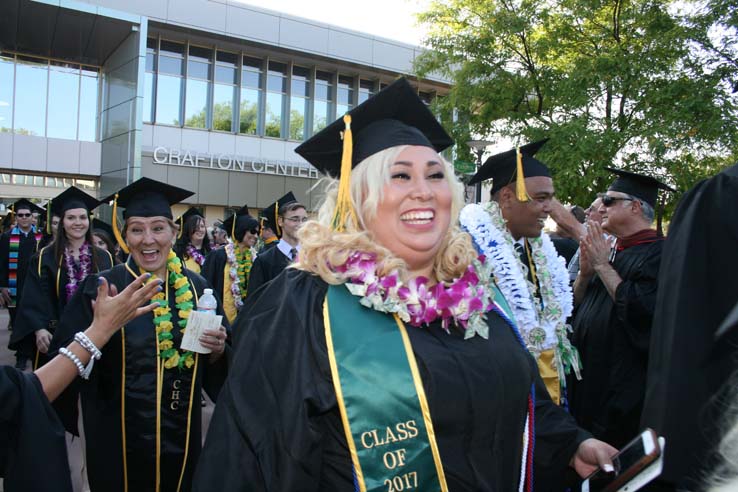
x=465, y=301
x=76, y=275
x=195, y=254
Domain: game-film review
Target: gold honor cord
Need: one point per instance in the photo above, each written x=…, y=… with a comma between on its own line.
x=339, y=398
x=189, y=425
x=123, y=404
x=423, y=403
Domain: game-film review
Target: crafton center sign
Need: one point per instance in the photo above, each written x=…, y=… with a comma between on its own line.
x=224, y=162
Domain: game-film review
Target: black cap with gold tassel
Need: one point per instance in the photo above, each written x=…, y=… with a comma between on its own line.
x=394, y=116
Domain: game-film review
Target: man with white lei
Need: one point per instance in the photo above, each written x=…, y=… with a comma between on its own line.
x=525, y=265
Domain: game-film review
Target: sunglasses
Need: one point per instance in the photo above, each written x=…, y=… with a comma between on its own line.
x=254, y=231
x=609, y=201
x=23, y=215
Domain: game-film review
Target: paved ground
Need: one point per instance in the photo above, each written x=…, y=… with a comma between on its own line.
x=74, y=448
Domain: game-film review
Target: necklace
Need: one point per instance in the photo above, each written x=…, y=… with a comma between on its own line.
x=542, y=325
x=195, y=254
x=233, y=273
x=464, y=301
x=76, y=275
x=172, y=356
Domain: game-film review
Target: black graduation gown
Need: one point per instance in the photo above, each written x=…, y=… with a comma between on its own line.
x=565, y=247
x=277, y=425
x=131, y=355
x=613, y=338
x=267, y=246
x=266, y=267
x=213, y=270
x=698, y=285
x=26, y=247
x=45, y=299
x=33, y=453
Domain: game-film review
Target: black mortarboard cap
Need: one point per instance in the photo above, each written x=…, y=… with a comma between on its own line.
x=502, y=168
x=394, y=116
x=27, y=204
x=237, y=224
x=269, y=214
x=638, y=185
x=730, y=323
x=99, y=225
x=146, y=197
x=72, y=198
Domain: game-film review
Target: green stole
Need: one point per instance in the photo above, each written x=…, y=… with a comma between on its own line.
x=381, y=398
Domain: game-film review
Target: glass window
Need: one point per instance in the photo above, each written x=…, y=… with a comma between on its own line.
x=323, y=105
x=169, y=83
x=275, y=99
x=30, y=96
x=224, y=91
x=251, y=84
x=366, y=89
x=197, y=90
x=345, y=95
x=88, y=97
x=299, y=102
x=63, y=100
x=7, y=74
x=149, y=79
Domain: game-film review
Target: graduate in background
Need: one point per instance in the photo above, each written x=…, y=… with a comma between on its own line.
x=290, y=216
x=17, y=245
x=56, y=272
x=228, y=268
x=692, y=362
x=270, y=230
x=616, y=295
x=141, y=406
x=429, y=398
x=104, y=238
x=193, y=244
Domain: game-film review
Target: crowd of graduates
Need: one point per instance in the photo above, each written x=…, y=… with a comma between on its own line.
x=395, y=339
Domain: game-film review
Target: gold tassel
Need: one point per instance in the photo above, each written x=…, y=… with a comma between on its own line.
x=233, y=227
x=344, y=207
x=276, y=219
x=520, y=191
x=116, y=232
x=48, y=217
x=181, y=226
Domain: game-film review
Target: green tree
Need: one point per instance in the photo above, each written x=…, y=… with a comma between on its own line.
x=611, y=82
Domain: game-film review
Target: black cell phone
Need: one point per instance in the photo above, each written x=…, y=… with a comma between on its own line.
x=632, y=459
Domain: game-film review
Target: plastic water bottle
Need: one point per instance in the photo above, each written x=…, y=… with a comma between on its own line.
x=207, y=302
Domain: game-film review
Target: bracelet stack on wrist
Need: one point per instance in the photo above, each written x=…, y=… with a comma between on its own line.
x=90, y=347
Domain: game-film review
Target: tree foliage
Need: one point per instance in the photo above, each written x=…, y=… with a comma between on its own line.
x=628, y=83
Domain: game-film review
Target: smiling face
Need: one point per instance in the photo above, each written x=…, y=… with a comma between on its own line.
x=526, y=219
x=198, y=232
x=24, y=218
x=99, y=242
x=150, y=239
x=414, y=212
x=291, y=223
x=76, y=222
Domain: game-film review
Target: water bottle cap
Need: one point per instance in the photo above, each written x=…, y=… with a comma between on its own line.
x=208, y=291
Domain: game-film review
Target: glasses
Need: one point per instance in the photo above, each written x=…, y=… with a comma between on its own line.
x=254, y=231
x=23, y=215
x=296, y=219
x=609, y=201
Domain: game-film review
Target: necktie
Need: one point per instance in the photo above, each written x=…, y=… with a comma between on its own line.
x=293, y=254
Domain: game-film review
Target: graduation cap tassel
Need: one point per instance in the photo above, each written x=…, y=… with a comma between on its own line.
x=181, y=226
x=48, y=217
x=344, y=207
x=116, y=232
x=233, y=228
x=276, y=222
x=520, y=191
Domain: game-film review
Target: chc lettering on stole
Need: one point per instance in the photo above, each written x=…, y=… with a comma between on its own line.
x=392, y=440
x=174, y=400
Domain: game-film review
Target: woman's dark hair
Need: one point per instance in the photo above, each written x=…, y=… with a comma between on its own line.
x=190, y=226
x=61, y=241
x=108, y=242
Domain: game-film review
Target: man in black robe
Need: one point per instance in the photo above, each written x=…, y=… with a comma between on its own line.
x=17, y=245
x=688, y=367
x=616, y=294
x=269, y=264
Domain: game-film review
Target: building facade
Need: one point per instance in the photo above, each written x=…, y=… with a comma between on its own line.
x=209, y=95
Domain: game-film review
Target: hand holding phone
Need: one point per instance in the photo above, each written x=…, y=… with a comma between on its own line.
x=630, y=461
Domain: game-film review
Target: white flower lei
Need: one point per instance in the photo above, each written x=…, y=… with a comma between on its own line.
x=542, y=328
x=233, y=274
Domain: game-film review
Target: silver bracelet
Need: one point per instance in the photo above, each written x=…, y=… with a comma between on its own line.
x=88, y=345
x=71, y=356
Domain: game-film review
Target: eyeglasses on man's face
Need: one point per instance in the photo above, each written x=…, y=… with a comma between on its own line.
x=609, y=201
x=23, y=216
x=254, y=231
x=297, y=219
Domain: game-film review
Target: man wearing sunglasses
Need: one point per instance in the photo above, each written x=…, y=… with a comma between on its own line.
x=17, y=245
x=290, y=217
x=616, y=293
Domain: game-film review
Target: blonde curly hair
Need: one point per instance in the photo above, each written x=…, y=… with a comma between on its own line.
x=322, y=248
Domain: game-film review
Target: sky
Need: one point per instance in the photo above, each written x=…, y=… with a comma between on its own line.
x=393, y=19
